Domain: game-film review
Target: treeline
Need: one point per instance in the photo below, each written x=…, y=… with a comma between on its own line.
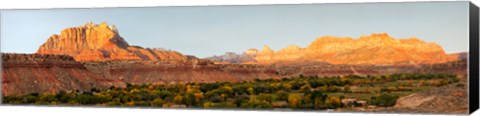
x=300, y=92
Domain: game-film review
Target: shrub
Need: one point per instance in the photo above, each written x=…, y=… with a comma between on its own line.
x=384, y=100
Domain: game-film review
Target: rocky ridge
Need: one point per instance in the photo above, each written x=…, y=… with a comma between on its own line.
x=38, y=73
x=92, y=42
x=379, y=49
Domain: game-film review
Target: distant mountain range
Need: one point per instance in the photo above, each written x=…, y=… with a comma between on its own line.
x=372, y=49
x=92, y=42
x=233, y=58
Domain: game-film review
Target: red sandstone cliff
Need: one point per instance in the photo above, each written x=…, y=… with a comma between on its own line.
x=36, y=73
x=373, y=49
x=92, y=42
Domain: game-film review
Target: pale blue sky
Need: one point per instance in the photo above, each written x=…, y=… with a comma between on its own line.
x=213, y=30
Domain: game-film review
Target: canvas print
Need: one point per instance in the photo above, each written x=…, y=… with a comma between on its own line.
x=362, y=57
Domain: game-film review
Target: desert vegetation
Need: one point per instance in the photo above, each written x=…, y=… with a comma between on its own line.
x=299, y=92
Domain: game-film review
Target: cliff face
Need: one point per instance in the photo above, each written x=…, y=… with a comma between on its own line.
x=92, y=42
x=373, y=49
x=35, y=73
x=267, y=56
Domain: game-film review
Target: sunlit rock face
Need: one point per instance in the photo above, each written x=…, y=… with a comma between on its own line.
x=92, y=42
x=372, y=49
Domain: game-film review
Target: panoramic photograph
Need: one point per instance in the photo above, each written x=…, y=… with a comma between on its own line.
x=406, y=57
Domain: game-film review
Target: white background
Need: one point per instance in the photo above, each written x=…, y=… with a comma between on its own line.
x=86, y=111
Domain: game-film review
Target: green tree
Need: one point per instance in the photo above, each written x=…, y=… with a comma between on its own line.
x=251, y=91
x=306, y=88
x=156, y=102
x=316, y=94
x=334, y=102
x=282, y=95
x=265, y=97
x=29, y=99
x=294, y=100
x=384, y=100
x=347, y=89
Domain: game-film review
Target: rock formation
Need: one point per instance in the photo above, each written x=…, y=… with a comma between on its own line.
x=459, y=55
x=252, y=52
x=291, y=53
x=373, y=49
x=233, y=58
x=37, y=73
x=92, y=42
x=247, y=57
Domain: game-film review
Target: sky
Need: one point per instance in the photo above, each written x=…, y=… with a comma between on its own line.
x=205, y=31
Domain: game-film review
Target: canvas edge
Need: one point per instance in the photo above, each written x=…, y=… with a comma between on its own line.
x=1, y=57
x=246, y=4
x=473, y=56
x=473, y=67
